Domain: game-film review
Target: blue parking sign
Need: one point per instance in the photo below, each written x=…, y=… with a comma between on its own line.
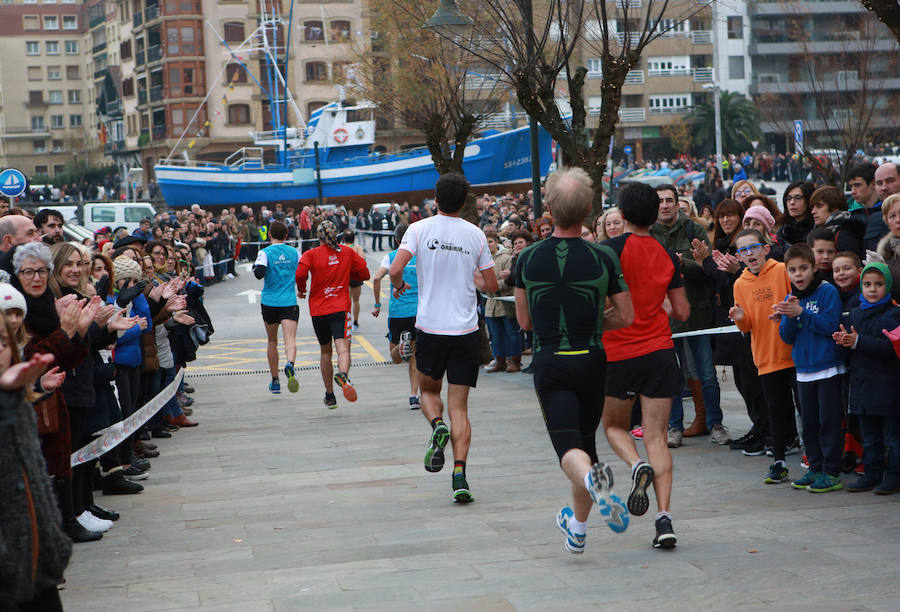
x=627, y=149
x=12, y=183
x=798, y=134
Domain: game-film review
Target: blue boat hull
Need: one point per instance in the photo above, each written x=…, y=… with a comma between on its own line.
x=496, y=163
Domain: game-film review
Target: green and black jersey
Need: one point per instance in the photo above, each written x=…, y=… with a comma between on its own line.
x=567, y=281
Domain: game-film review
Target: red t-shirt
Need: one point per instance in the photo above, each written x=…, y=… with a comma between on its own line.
x=331, y=273
x=650, y=270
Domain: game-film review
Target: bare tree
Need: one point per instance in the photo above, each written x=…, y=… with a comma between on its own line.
x=888, y=12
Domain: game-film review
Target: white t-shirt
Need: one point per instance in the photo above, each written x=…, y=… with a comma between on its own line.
x=448, y=250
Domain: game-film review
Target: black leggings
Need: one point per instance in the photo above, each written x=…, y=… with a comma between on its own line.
x=570, y=390
x=778, y=388
x=128, y=384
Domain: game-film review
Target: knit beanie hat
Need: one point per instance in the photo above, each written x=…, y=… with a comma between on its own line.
x=761, y=214
x=877, y=266
x=125, y=267
x=11, y=298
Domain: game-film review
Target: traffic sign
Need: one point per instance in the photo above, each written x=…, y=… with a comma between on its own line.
x=798, y=135
x=12, y=183
x=627, y=149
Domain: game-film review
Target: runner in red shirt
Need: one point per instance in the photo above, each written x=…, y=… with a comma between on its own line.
x=331, y=268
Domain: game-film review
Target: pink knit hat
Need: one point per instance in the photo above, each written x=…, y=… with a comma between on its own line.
x=762, y=215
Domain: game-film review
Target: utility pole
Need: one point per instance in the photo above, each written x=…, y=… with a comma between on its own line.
x=716, y=102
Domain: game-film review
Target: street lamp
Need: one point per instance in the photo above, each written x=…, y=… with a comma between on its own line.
x=447, y=19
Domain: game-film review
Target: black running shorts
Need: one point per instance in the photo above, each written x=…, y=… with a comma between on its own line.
x=570, y=392
x=458, y=356
x=654, y=375
x=398, y=325
x=272, y=315
x=332, y=326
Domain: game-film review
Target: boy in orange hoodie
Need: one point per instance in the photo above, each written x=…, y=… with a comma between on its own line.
x=763, y=284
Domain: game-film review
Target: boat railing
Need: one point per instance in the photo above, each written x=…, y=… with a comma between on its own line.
x=246, y=158
x=192, y=163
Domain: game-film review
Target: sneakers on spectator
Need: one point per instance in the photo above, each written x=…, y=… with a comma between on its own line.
x=275, y=386
x=330, y=401
x=719, y=434
x=344, y=381
x=133, y=473
x=574, y=541
x=888, y=486
x=637, y=433
x=865, y=482
x=778, y=472
x=825, y=483
x=141, y=464
x=804, y=463
x=405, y=346
x=641, y=479
x=414, y=403
x=804, y=481
x=93, y=523
x=434, y=456
x=612, y=508
x=293, y=384
x=188, y=389
x=665, y=535
x=115, y=483
x=754, y=447
x=461, y=493
x=742, y=441
x=674, y=437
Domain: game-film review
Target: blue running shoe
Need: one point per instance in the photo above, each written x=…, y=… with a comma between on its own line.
x=612, y=508
x=293, y=383
x=434, y=456
x=275, y=386
x=574, y=541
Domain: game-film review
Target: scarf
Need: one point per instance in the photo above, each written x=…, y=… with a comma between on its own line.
x=863, y=302
x=817, y=279
x=42, y=318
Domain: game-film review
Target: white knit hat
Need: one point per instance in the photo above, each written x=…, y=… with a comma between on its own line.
x=10, y=299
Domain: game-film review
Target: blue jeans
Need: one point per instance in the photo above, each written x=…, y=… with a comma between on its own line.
x=879, y=432
x=701, y=351
x=506, y=338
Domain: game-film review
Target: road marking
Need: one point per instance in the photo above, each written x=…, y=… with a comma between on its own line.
x=369, y=348
x=251, y=294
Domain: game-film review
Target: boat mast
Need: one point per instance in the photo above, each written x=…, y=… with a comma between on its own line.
x=287, y=50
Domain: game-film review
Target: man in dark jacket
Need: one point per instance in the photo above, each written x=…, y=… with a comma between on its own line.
x=866, y=206
x=676, y=231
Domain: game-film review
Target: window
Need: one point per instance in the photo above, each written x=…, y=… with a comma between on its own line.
x=234, y=32
x=71, y=47
x=31, y=22
x=58, y=169
x=128, y=86
x=735, y=66
x=134, y=214
x=103, y=214
x=52, y=47
x=594, y=68
x=56, y=96
x=313, y=30
x=316, y=71
x=54, y=73
x=339, y=70
x=34, y=73
x=37, y=123
x=72, y=73
x=32, y=47
x=57, y=122
x=674, y=65
x=238, y=114
x=74, y=96
x=58, y=146
x=51, y=22
x=125, y=50
x=340, y=30
x=40, y=170
x=35, y=97
x=311, y=107
x=235, y=74
x=736, y=27
x=672, y=103
x=70, y=22
x=40, y=146
x=74, y=121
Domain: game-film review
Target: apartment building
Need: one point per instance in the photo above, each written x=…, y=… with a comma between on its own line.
x=44, y=99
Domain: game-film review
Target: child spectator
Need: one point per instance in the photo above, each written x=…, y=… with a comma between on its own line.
x=809, y=315
x=756, y=291
x=875, y=380
x=846, y=267
x=821, y=241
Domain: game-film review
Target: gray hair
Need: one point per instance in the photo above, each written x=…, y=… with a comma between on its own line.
x=7, y=227
x=569, y=196
x=32, y=250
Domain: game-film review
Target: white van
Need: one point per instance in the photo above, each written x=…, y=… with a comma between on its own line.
x=107, y=214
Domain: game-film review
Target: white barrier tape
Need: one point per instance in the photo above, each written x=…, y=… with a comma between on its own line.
x=725, y=329
x=115, y=434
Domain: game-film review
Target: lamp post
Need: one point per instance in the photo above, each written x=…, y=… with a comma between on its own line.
x=715, y=88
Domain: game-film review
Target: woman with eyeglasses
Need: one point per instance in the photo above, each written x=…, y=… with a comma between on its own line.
x=798, y=220
x=743, y=189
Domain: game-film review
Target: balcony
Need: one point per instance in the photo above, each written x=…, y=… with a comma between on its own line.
x=156, y=93
x=703, y=75
x=96, y=20
x=634, y=38
x=702, y=37
x=154, y=54
x=158, y=132
x=99, y=73
x=37, y=103
x=139, y=59
x=138, y=19
x=151, y=13
x=670, y=110
x=632, y=115
x=499, y=121
x=661, y=72
x=98, y=47
x=629, y=4
x=634, y=77
x=142, y=97
x=113, y=147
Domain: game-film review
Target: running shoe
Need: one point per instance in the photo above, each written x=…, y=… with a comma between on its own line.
x=574, y=541
x=349, y=392
x=275, y=386
x=414, y=403
x=637, y=433
x=641, y=479
x=825, y=483
x=434, y=456
x=612, y=508
x=405, y=346
x=804, y=481
x=461, y=493
x=665, y=535
x=674, y=438
x=754, y=447
x=330, y=401
x=778, y=473
x=293, y=383
x=804, y=463
x=356, y=325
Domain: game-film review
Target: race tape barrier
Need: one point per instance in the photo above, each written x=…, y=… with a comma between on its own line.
x=115, y=434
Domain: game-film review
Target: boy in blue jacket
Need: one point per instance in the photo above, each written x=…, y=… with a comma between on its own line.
x=810, y=314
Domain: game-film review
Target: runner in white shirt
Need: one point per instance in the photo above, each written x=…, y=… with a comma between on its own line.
x=452, y=259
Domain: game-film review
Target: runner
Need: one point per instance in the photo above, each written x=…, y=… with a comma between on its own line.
x=349, y=238
x=452, y=258
x=562, y=283
x=276, y=264
x=401, y=316
x=332, y=268
x=641, y=357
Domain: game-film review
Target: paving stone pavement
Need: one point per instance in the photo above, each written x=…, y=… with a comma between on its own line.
x=276, y=504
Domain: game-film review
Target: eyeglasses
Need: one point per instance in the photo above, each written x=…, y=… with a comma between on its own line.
x=743, y=192
x=30, y=272
x=753, y=248
x=793, y=198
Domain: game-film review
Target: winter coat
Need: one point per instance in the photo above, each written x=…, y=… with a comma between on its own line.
x=889, y=248
x=499, y=308
x=814, y=349
x=848, y=231
x=874, y=367
x=128, y=346
x=792, y=231
x=78, y=387
x=756, y=294
x=34, y=551
x=697, y=284
x=876, y=228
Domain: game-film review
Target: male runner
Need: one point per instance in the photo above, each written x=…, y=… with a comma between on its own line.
x=332, y=268
x=562, y=284
x=452, y=258
x=276, y=264
x=401, y=315
x=641, y=357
